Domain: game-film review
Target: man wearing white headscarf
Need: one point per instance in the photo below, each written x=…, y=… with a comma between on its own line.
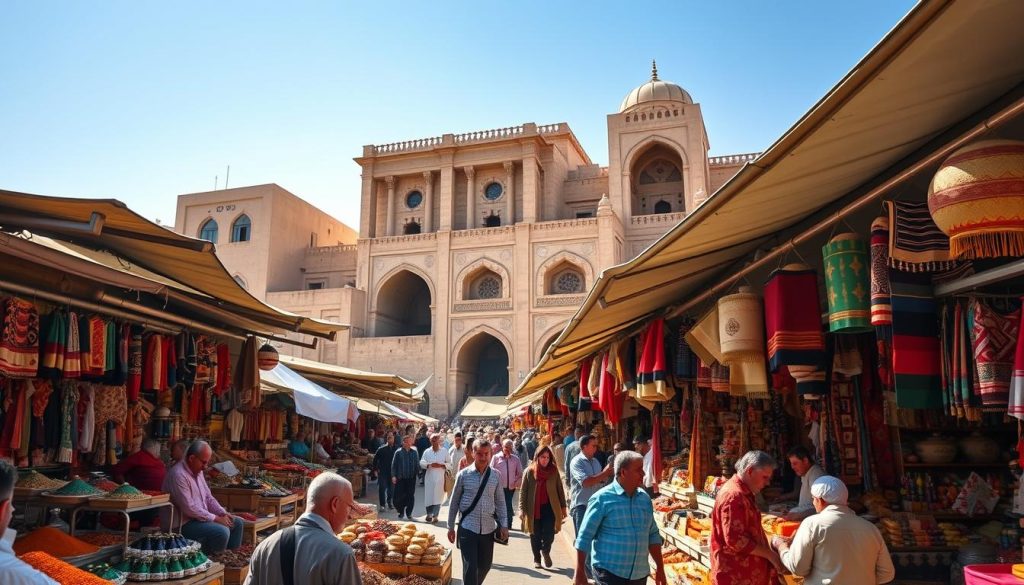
x=835, y=545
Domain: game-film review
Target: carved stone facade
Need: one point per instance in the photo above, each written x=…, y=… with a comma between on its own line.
x=475, y=249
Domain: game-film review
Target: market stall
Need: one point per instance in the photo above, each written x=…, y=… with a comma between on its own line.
x=894, y=209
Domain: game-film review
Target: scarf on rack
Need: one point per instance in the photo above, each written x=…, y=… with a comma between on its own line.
x=1016, y=406
x=68, y=416
x=792, y=318
x=72, y=353
x=916, y=244
x=962, y=364
x=916, y=359
x=993, y=337
x=19, y=339
x=52, y=363
x=652, y=373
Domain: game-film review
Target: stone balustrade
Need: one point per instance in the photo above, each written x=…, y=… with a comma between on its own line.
x=559, y=224
x=476, y=137
x=658, y=218
x=733, y=159
x=486, y=135
x=330, y=250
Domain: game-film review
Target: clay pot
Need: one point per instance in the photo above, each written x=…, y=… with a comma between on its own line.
x=978, y=448
x=936, y=449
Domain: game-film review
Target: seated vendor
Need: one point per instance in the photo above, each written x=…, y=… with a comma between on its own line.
x=203, y=518
x=298, y=447
x=803, y=465
x=143, y=469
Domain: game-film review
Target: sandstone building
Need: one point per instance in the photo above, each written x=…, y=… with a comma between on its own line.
x=473, y=249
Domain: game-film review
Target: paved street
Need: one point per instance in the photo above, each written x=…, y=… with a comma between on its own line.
x=513, y=564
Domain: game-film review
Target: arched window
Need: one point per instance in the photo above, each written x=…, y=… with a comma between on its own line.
x=662, y=207
x=567, y=282
x=487, y=287
x=208, y=231
x=410, y=228
x=241, y=230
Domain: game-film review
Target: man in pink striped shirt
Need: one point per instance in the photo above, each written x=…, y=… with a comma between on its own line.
x=203, y=518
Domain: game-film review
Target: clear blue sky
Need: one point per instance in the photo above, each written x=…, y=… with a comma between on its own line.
x=142, y=101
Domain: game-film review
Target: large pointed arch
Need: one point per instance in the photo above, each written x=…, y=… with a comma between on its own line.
x=481, y=364
x=648, y=151
x=403, y=305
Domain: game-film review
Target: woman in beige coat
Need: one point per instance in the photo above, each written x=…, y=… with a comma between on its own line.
x=542, y=504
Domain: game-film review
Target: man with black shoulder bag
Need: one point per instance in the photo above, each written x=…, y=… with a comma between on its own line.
x=478, y=497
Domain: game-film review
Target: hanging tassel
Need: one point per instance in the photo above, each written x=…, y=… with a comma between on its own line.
x=987, y=245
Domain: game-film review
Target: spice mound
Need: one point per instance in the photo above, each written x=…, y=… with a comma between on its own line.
x=34, y=480
x=53, y=541
x=126, y=492
x=76, y=487
x=60, y=571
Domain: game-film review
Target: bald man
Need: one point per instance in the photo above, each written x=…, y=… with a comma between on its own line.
x=316, y=556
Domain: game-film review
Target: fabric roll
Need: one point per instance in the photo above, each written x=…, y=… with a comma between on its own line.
x=916, y=244
x=19, y=339
x=994, y=337
x=1016, y=405
x=740, y=327
x=847, y=284
x=792, y=316
x=881, y=304
x=916, y=356
x=703, y=338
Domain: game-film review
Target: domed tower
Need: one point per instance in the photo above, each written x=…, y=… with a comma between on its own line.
x=657, y=152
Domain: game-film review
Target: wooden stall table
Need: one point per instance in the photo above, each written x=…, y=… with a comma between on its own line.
x=249, y=529
x=213, y=576
x=237, y=499
x=277, y=504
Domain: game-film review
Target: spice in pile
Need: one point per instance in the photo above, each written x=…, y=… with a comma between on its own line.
x=60, y=571
x=105, y=538
x=126, y=492
x=53, y=541
x=104, y=484
x=34, y=480
x=77, y=487
x=235, y=559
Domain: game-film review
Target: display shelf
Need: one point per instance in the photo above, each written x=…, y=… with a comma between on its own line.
x=127, y=519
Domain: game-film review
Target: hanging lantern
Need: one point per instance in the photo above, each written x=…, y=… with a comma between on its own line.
x=977, y=199
x=741, y=326
x=267, y=357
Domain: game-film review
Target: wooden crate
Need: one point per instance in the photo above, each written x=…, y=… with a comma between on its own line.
x=235, y=576
x=237, y=500
x=249, y=529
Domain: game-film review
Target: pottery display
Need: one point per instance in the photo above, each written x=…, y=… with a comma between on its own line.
x=978, y=448
x=936, y=449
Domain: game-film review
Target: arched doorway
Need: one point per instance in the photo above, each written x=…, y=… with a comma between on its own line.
x=482, y=366
x=403, y=306
x=658, y=185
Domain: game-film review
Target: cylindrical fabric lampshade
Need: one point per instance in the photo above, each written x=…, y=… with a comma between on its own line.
x=792, y=317
x=740, y=326
x=977, y=199
x=847, y=284
x=267, y=357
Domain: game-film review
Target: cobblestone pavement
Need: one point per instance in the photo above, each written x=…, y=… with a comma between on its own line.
x=513, y=564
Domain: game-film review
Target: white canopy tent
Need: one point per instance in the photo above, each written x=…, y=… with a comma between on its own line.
x=311, y=399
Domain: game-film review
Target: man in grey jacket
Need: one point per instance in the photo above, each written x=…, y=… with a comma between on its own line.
x=317, y=556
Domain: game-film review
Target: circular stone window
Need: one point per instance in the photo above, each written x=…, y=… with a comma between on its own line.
x=413, y=199
x=493, y=191
x=488, y=288
x=568, y=283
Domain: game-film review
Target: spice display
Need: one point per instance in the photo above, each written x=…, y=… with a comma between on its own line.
x=54, y=542
x=104, y=484
x=126, y=492
x=34, y=480
x=60, y=571
x=234, y=559
x=102, y=539
x=383, y=541
x=77, y=487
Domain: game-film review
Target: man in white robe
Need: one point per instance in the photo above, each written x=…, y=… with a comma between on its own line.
x=435, y=462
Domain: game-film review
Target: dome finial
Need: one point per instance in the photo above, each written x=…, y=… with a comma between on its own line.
x=654, y=70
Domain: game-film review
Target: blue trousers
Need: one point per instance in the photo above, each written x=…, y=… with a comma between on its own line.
x=386, y=490
x=577, y=521
x=213, y=536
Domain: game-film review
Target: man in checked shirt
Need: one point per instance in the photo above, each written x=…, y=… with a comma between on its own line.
x=618, y=530
x=476, y=530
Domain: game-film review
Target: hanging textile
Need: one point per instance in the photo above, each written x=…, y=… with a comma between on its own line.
x=585, y=365
x=88, y=428
x=19, y=340
x=703, y=338
x=792, y=316
x=916, y=359
x=846, y=284
x=68, y=418
x=111, y=404
x=881, y=306
x=962, y=365
x=134, y=382
x=748, y=379
x=703, y=375
x=685, y=358
x=72, y=355
x=223, y=369
x=846, y=359
x=916, y=244
x=719, y=377
x=594, y=383
x=812, y=385
x=154, y=378
x=110, y=355
x=741, y=331
x=993, y=337
x=847, y=431
x=170, y=359
x=52, y=364
x=652, y=373
x=610, y=399
x=247, y=374
x=97, y=334
x=1016, y=406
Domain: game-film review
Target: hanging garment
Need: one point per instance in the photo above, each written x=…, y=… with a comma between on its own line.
x=594, y=384
x=170, y=358
x=19, y=339
x=97, y=335
x=1016, y=406
x=247, y=374
x=685, y=358
x=206, y=356
x=703, y=338
x=585, y=365
x=792, y=316
x=52, y=364
x=110, y=347
x=134, y=382
x=235, y=422
x=916, y=359
x=153, y=375
x=119, y=377
x=72, y=355
x=847, y=284
x=88, y=428
x=994, y=337
x=916, y=244
x=847, y=429
x=610, y=398
x=965, y=402
x=65, y=453
x=651, y=380
x=223, y=369
x=111, y=405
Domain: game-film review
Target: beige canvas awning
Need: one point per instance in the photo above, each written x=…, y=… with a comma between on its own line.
x=109, y=225
x=944, y=62
x=355, y=383
x=483, y=407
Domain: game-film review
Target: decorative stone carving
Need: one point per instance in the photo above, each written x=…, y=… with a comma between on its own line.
x=560, y=300
x=541, y=322
x=542, y=251
x=588, y=250
x=505, y=255
x=460, y=259
x=506, y=324
x=458, y=326
x=428, y=260
x=484, y=305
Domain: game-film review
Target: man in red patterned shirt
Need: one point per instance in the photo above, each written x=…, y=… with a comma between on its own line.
x=740, y=554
